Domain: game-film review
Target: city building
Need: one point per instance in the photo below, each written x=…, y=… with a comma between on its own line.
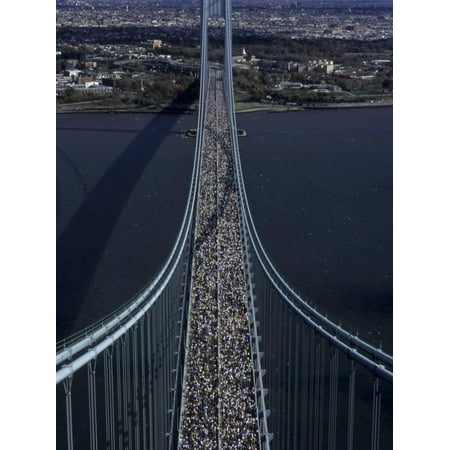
x=156, y=43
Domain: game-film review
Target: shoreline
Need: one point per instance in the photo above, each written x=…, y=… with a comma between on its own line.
x=240, y=108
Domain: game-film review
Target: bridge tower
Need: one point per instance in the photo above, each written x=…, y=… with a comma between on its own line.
x=217, y=8
x=210, y=8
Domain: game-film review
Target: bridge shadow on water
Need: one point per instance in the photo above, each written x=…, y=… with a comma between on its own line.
x=83, y=241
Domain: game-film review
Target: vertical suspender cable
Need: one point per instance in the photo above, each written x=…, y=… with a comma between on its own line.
x=286, y=366
x=155, y=375
x=119, y=393
x=269, y=346
x=290, y=364
x=162, y=369
x=151, y=381
x=332, y=413
x=280, y=351
x=123, y=342
x=128, y=384
x=274, y=369
x=317, y=348
x=311, y=389
x=296, y=379
x=165, y=363
x=376, y=412
x=92, y=404
x=377, y=429
x=174, y=318
x=157, y=369
x=162, y=374
x=169, y=355
x=109, y=398
x=304, y=388
x=134, y=333
x=351, y=405
x=322, y=391
x=107, y=404
x=143, y=384
x=68, y=392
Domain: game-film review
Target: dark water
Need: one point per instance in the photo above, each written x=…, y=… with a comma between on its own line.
x=122, y=184
x=320, y=188
x=319, y=185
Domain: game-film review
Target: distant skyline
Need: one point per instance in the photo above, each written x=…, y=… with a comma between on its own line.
x=260, y=2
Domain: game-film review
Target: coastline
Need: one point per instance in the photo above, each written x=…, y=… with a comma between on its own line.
x=257, y=107
x=240, y=107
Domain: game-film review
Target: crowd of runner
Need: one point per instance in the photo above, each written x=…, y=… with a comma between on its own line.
x=218, y=407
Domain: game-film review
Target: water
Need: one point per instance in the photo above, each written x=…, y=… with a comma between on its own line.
x=319, y=185
x=122, y=185
x=320, y=188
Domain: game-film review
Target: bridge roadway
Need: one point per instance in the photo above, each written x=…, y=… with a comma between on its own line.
x=218, y=401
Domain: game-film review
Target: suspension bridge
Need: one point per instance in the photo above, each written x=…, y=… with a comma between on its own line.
x=218, y=351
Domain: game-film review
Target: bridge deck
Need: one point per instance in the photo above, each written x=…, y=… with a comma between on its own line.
x=219, y=407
